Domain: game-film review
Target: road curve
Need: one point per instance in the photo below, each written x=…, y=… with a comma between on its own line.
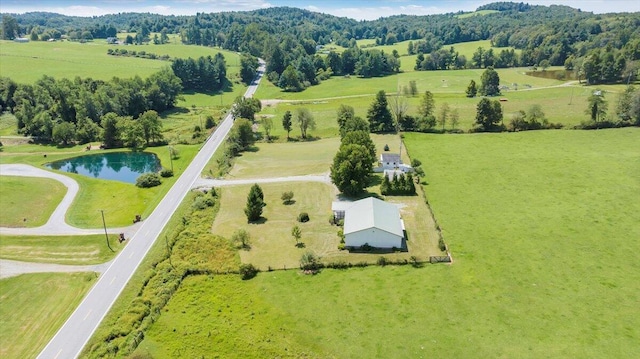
x=80, y=326
x=56, y=225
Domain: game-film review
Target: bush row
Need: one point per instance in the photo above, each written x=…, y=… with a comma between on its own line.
x=190, y=250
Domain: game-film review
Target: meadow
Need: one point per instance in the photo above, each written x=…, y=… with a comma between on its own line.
x=541, y=227
x=34, y=306
x=562, y=101
x=28, y=62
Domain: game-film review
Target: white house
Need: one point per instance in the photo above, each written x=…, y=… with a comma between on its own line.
x=392, y=161
x=373, y=222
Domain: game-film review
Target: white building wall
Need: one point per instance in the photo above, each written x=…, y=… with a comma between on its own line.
x=374, y=237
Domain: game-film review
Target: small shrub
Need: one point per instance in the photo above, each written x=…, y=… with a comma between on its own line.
x=382, y=261
x=209, y=122
x=166, y=172
x=415, y=163
x=202, y=202
x=341, y=246
x=248, y=271
x=386, y=148
x=241, y=239
x=303, y=217
x=443, y=247
x=213, y=192
x=287, y=197
x=197, y=129
x=332, y=219
x=366, y=247
x=147, y=180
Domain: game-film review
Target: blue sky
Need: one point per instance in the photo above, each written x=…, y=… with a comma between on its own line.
x=356, y=9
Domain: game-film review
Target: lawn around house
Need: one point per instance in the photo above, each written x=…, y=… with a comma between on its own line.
x=34, y=306
x=28, y=201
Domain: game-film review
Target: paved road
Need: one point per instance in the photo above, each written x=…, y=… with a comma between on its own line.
x=56, y=225
x=76, y=331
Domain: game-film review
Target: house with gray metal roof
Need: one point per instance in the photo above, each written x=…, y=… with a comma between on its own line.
x=373, y=222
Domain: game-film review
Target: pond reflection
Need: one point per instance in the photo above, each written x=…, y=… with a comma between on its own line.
x=118, y=166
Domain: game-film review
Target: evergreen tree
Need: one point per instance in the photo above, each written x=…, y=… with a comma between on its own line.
x=379, y=116
x=255, y=203
x=472, y=89
x=385, y=187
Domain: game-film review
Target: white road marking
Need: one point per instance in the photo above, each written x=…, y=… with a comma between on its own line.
x=57, y=355
x=114, y=278
x=86, y=316
x=131, y=255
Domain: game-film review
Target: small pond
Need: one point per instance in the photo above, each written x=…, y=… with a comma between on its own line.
x=118, y=166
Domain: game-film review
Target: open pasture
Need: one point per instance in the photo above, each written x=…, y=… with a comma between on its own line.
x=28, y=62
x=563, y=102
x=541, y=227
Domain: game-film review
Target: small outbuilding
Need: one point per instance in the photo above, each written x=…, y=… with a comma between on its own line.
x=373, y=222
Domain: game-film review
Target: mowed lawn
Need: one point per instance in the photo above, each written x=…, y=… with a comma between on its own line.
x=28, y=201
x=90, y=249
x=34, y=306
x=543, y=230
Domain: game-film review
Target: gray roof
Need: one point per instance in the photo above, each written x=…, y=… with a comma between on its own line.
x=390, y=157
x=372, y=212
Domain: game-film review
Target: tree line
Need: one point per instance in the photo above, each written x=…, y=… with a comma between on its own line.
x=78, y=106
x=550, y=34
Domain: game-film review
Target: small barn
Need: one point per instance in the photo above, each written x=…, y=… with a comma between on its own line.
x=373, y=222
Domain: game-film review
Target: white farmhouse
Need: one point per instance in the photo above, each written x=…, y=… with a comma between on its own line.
x=392, y=161
x=373, y=222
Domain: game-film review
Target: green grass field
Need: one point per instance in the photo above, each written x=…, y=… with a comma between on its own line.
x=541, y=227
x=26, y=63
x=34, y=306
x=81, y=250
x=562, y=102
x=28, y=201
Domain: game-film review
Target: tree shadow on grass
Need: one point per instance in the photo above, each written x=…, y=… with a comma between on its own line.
x=289, y=202
x=300, y=245
x=260, y=220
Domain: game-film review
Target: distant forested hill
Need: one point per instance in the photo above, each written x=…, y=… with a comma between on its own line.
x=547, y=35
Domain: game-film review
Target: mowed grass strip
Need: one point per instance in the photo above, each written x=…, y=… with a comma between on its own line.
x=28, y=201
x=81, y=250
x=34, y=306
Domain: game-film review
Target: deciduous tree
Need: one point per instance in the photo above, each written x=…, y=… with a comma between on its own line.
x=351, y=168
x=305, y=121
x=286, y=122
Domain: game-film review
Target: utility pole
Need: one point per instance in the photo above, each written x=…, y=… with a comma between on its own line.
x=171, y=157
x=105, y=230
